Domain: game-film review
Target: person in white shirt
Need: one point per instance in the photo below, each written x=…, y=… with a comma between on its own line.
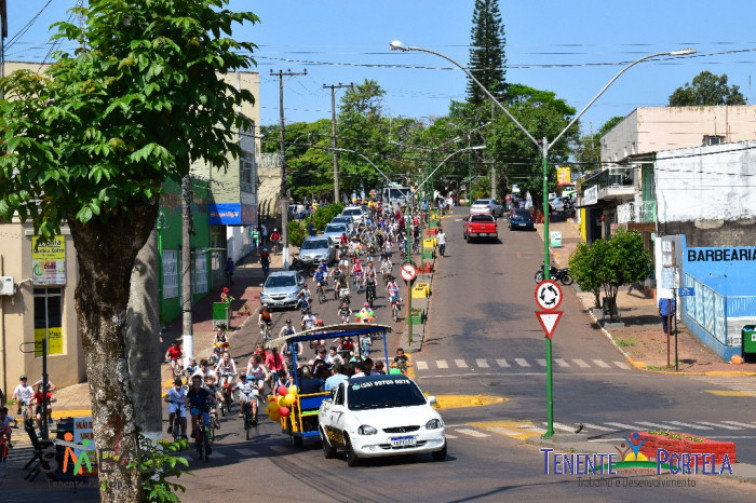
x=441, y=239
x=176, y=398
x=204, y=370
x=308, y=320
x=23, y=393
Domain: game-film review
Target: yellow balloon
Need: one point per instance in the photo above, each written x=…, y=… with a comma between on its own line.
x=287, y=400
x=275, y=415
x=293, y=390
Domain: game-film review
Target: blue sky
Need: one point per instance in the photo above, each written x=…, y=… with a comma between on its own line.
x=570, y=47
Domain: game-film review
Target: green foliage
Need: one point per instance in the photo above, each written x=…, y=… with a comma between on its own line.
x=105, y=126
x=324, y=214
x=707, y=89
x=585, y=267
x=159, y=467
x=297, y=232
x=487, y=56
x=625, y=261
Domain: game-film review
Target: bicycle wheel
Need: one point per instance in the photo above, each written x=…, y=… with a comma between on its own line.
x=395, y=310
x=3, y=451
x=206, y=447
x=539, y=276
x=248, y=422
x=212, y=428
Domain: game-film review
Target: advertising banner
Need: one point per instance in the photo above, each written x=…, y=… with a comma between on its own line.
x=49, y=261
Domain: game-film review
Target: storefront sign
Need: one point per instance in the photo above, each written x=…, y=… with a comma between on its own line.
x=590, y=196
x=49, y=261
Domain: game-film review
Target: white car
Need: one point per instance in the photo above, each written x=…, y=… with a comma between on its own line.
x=357, y=213
x=381, y=415
x=487, y=207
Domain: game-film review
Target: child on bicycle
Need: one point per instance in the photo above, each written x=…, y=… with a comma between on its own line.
x=176, y=398
x=200, y=401
x=174, y=354
x=264, y=320
x=5, y=429
x=344, y=312
x=248, y=394
x=212, y=388
x=38, y=400
x=22, y=394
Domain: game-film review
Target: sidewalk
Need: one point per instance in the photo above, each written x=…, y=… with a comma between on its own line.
x=641, y=339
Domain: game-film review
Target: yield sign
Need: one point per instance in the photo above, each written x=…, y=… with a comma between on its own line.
x=549, y=321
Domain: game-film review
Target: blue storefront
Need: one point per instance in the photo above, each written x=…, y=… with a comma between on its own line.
x=724, y=281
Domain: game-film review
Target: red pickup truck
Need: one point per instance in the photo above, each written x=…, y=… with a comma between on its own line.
x=480, y=226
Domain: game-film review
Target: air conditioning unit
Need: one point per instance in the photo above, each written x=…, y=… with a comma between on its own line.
x=6, y=285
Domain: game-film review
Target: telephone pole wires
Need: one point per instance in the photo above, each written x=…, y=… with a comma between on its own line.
x=334, y=146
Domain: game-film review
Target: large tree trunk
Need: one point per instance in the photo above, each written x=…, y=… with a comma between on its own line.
x=106, y=253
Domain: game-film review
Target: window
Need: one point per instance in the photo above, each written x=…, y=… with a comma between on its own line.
x=199, y=273
x=48, y=320
x=713, y=140
x=170, y=274
x=247, y=174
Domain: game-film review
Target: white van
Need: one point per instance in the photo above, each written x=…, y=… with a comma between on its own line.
x=396, y=194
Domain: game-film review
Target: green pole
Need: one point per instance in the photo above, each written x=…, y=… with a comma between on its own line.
x=469, y=174
x=409, y=261
x=546, y=270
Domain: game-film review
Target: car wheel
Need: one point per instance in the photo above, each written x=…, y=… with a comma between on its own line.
x=328, y=451
x=351, y=457
x=439, y=455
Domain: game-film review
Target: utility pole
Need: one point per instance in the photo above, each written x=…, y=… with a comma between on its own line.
x=333, y=88
x=186, y=267
x=284, y=185
x=3, y=35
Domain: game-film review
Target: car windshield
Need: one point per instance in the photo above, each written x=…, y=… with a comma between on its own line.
x=314, y=244
x=335, y=228
x=482, y=202
x=384, y=394
x=280, y=281
x=341, y=220
x=399, y=193
x=481, y=218
x=522, y=213
x=353, y=211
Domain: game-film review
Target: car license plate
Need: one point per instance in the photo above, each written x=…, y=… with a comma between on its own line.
x=403, y=442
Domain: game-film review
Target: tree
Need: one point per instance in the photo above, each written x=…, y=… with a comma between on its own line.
x=625, y=261
x=90, y=144
x=585, y=267
x=707, y=89
x=487, y=57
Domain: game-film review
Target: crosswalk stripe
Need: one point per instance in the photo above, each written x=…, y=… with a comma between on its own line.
x=580, y=363
x=622, y=365
x=564, y=427
x=460, y=363
x=744, y=425
x=522, y=362
x=622, y=426
x=472, y=433
x=720, y=425
x=422, y=366
x=501, y=362
x=246, y=452
x=217, y=455
x=532, y=427
x=541, y=362
x=601, y=363
x=480, y=362
x=562, y=362
x=653, y=425
x=450, y=436
x=591, y=426
x=689, y=425
x=442, y=364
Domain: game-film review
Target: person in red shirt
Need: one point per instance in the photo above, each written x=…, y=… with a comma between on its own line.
x=38, y=399
x=174, y=353
x=275, y=238
x=277, y=367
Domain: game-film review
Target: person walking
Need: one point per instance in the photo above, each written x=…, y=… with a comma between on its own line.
x=264, y=234
x=667, y=312
x=441, y=238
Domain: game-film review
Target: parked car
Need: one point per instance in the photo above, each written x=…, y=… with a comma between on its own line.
x=356, y=212
x=521, y=219
x=334, y=231
x=384, y=415
x=348, y=221
x=480, y=226
x=315, y=249
x=487, y=207
x=561, y=204
x=281, y=289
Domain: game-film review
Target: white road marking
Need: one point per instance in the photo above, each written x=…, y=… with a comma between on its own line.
x=505, y=431
x=247, y=452
x=653, y=425
x=622, y=426
x=720, y=425
x=522, y=362
x=564, y=427
x=580, y=363
x=421, y=365
x=742, y=425
x=531, y=427
x=442, y=364
x=591, y=426
x=541, y=362
x=622, y=365
x=562, y=362
x=450, y=436
x=460, y=363
x=480, y=362
x=217, y=455
x=602, y=364
x=689, y=425
x=501, y=362
x=472, y=433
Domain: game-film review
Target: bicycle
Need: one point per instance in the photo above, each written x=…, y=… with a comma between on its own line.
x=227, y=393
x=265, y=331
x=203, y=442
x=250, y=420
x=178, y=433
x=321, y=293
x=3, y=449
x=213, y=419
x=395, y=308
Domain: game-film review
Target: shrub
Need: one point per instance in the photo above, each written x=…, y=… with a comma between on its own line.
x=297, y=232
x=325, y=214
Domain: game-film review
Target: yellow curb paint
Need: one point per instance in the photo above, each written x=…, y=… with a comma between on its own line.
x=730, y=393
x=462, y=401
x=521, y=430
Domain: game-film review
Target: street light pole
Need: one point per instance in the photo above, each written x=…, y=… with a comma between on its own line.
x=544, y=147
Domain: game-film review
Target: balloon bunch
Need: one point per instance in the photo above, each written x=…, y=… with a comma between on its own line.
x=365, y=317
x=279, y=405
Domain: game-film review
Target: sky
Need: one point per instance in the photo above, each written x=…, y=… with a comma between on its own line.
x=572, y=48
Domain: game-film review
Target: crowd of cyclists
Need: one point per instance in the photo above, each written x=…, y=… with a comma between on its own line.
x=364, y=258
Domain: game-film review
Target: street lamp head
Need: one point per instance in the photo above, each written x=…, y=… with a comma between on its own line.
x=683, y=52
x=477, y=147
x=396, y=45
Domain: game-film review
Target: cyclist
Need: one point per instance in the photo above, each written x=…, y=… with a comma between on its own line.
x=308, y=320
x=174, y=354
x=276, y=366
x=265, y=261
x=211, y=386
x=320, y=280
x=199, y=401
x=401, y=361
x=248, y=394
x=264, y=320
x=303, y=302
x=370, y=286
x=257, y=372
x=392, y=289
x=38, y=399
x=344, y=311
x=22, y=394
x=287, y=329
x=176, y=397
x=226, y=369
x=5, y=429
x=205, y=371
x=385, y=268
x=191, y=369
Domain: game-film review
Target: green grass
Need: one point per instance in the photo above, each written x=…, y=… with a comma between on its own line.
x=624, y=343
x=658, y=367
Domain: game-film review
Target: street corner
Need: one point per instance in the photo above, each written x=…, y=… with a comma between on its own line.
x=465, y=401
x=519, y=430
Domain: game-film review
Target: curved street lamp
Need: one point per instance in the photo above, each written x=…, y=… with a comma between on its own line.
x=544, y=147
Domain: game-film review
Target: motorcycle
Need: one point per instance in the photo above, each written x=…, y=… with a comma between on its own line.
x=307, y=268
x=562, y=275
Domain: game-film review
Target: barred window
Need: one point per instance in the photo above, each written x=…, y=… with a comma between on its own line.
x=199, y=273
x=170, y=274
